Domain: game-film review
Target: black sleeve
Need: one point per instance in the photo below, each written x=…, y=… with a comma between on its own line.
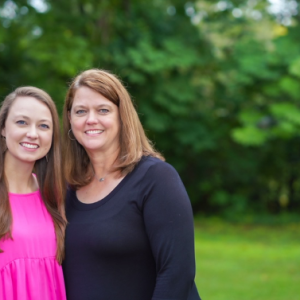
x=169, y=224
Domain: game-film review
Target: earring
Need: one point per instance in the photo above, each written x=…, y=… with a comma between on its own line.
x=46, y=156
x=70, y=136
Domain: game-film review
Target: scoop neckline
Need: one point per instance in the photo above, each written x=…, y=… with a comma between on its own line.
x=89, y=206
x=26, y=194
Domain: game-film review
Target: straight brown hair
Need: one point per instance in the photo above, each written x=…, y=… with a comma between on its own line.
x=133, y=141
x=48, y=173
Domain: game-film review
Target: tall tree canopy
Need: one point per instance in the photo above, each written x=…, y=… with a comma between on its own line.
x=216, y=84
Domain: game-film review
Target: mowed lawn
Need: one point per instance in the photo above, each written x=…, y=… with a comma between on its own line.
x=247, y=262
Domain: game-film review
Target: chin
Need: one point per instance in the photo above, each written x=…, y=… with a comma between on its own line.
x=90, y=147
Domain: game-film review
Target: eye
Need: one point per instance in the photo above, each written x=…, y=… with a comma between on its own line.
x=45, y=126
x=80, y=112
x=103, y=111
x=21, y=122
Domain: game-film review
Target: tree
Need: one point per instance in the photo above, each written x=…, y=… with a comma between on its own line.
x=216, y=84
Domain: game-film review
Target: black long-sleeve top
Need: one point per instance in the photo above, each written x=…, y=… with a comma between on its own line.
x=137, y=243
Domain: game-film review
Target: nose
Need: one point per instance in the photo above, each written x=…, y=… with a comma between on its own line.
x=91, y=119
x=32, y=133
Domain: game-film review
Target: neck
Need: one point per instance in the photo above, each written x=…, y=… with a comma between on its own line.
x=19, y=176
x=103, y=165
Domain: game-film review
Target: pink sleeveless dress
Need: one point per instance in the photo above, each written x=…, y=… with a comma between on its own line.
x=28, y=268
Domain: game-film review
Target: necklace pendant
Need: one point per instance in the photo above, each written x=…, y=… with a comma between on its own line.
x=101, y=179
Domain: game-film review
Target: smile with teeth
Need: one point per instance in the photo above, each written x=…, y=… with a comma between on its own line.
x=31, y=146
x=94, y=131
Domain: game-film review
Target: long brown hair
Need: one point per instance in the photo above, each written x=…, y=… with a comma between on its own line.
x=133, y=141
x=49, y=173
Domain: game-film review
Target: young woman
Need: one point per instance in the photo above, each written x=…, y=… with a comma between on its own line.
x=130, y=233
x=32, y=222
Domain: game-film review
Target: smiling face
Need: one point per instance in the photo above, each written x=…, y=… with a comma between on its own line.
x=28, y=130
x=95, y=121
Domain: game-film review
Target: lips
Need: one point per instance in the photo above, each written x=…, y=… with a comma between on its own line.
x=94, y=131
x=29, y=146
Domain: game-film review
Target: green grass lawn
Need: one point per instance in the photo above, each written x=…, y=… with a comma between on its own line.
x=247, y=262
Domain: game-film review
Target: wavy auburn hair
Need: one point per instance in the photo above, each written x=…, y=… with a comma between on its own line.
x=49, y=174
x=132, y=138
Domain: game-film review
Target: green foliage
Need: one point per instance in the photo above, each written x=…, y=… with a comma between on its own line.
x=284, y=115
x=216, y=85
x=294, y=69
x=290, y=86
x=249, y=136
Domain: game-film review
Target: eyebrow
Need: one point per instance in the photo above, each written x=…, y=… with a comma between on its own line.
x=83, y=106
x=21, y=116
x=78, y=106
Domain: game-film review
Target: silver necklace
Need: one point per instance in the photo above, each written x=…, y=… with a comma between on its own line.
x=101, y=179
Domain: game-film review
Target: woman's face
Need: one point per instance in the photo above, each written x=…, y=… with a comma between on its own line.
x=95, y=121
x=28, y=130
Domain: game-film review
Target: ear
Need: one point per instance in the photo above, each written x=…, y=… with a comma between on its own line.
x=3, y=132
x=69, y=115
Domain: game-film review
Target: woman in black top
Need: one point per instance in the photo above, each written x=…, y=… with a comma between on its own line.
x=130, y=233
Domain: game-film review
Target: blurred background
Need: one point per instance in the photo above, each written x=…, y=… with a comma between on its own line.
x=217, y=88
